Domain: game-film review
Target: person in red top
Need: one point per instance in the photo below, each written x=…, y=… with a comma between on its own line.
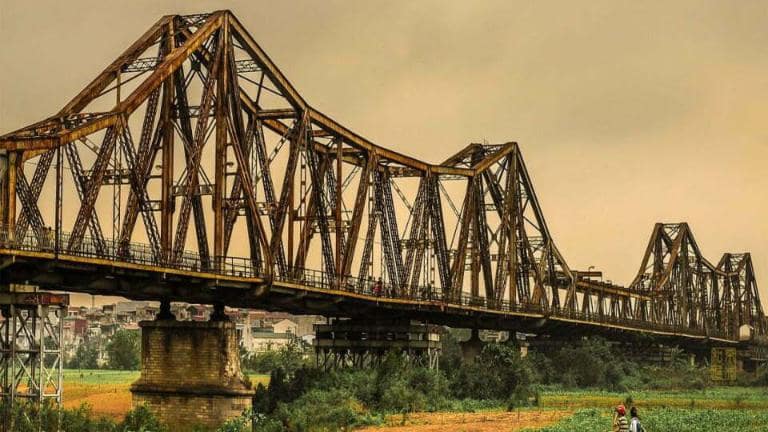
x=620, y=423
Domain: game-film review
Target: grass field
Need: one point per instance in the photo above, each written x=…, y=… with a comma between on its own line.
x=737, y=409
x=108, y=392
x=722, y=408
x=712, y=398
x=667, y=420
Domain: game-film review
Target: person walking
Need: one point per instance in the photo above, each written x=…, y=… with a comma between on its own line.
x=634, y=424
x=620, y=423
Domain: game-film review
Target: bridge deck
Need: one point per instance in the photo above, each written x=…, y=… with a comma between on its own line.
x=237, y=283
x=294, y=189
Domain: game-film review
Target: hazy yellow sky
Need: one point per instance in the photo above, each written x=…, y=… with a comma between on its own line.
x=628, y=113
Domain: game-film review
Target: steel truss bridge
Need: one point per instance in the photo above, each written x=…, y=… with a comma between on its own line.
x=194, y=125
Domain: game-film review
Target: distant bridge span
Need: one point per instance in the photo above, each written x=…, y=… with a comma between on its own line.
x=194, y=125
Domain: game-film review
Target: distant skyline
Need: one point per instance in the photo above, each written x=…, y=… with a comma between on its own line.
x=627, y=113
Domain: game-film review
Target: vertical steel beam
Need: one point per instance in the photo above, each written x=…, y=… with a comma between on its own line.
x=10, y=192
x=220, y=158
x=337, y=212
x=166, y=110
x=3, y=189
x=290, y=203
x=357, y=215
x=284, y=208
x=459, y=260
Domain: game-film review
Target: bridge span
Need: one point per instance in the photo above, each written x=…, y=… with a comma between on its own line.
x=194, y=125
x=603, y=308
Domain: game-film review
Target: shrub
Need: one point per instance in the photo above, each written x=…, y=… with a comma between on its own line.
x=27, y=417
x=497, y=373
x=238, y=424
x=322, y=410
x=141, y=419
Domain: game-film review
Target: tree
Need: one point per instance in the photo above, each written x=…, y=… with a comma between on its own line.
x=290, y=358
x=86, y=356
x=124, y=350
x=498, y=373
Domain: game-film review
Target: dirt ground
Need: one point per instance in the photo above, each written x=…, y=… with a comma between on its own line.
x=108, y=400
x=492, y=421
x=113, y=399
x=108, y=393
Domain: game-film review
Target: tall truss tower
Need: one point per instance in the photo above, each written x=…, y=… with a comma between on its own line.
x=31, y=341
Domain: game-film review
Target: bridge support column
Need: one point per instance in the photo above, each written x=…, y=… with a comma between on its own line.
x=190, y=373
x=362, y=344
x=31, y=362
x=472, y=347
x=723, y=365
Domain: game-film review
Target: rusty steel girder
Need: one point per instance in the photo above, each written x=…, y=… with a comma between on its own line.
x=226, y=143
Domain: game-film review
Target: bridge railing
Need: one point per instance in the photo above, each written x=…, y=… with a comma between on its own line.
x=428, y=294
x=143, y=254
x=133, y=253
x=637, y=323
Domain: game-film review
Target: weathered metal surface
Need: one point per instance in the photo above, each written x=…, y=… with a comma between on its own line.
x=31, y=349
x=308, y=215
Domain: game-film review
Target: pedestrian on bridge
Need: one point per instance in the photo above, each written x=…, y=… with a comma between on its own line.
x=377, y=288
x=620, y=423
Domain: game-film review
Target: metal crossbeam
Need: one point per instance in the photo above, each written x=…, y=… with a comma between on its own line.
x=151, y=63
x=283, y=174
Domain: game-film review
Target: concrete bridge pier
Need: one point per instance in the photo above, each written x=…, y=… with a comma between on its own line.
x=190, y=373
x=472, y=347
x=362, y=344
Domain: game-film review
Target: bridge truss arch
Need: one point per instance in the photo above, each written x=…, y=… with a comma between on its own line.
x=194, y=124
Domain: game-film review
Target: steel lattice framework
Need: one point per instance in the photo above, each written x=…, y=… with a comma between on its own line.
x=689, y=291
x=194, y=125
x=31, y=355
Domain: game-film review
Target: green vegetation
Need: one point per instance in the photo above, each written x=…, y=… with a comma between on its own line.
x=499, y=373
x=124, y=350
x=24, y=418
x=712, y=397
x=314, y=400
x=100, y=376
x=669, y=420
x=759, y=378
x=593, y=363
x=290, y=358
x=588, y=373
x=86, y=356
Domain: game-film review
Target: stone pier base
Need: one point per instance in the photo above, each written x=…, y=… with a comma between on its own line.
x=190, y=373
x=472, y=348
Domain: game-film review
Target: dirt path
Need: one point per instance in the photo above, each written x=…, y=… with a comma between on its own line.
x=492, y=421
